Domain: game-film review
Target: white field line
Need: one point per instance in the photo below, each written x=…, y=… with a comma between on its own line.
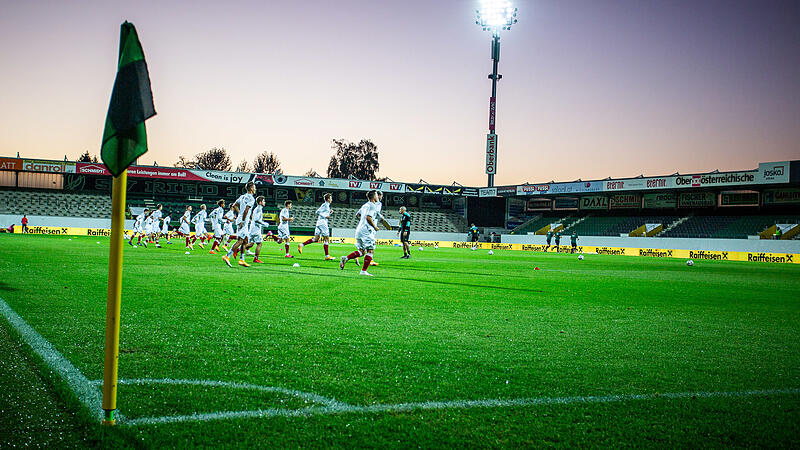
x=87, y=393
x=333, y=407
x=309, y=396
x=80, y=385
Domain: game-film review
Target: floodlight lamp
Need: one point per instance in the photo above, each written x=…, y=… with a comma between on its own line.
x=496, y=14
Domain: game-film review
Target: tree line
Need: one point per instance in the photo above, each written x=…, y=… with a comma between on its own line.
x=349, y=160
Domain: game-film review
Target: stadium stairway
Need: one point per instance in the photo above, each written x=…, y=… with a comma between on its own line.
x=55, y=203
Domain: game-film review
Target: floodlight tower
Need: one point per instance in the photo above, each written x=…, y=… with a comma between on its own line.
x=493, y=16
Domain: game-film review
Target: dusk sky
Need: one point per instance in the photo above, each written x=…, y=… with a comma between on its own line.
x=590, y=89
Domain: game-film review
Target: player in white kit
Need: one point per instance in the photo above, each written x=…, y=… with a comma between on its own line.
x=138, y=227
x=365, y=234
x=322, y=230
x=380, y=219
x=165, y=228
x=216, y=218
x=183, y=229
x=245, y=203
x=199, y=222
x=227, y=228
x=283, y=226
x=256, y=237
x=155, y=227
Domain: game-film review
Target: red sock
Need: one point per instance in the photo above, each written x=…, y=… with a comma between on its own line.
x=214, y=245
x=353, y=255
x=187, y=241
x=326, y=249
x=310, y=241
x=140, y=240
x=287, y=248
x=194, y=239
x=367, y=260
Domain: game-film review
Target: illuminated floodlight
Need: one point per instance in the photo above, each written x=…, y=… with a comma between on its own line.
x=495, y=15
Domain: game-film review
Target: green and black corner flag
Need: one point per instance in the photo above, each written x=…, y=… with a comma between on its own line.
x=125, y=137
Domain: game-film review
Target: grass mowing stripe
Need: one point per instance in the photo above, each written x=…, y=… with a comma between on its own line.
x=80, y=385
x=334, y=407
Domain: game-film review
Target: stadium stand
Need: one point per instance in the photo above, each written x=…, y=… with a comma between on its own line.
x=731, y=227
x=54, y=203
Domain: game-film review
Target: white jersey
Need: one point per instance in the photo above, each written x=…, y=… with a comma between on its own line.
x=258, y=220
x=227, y=227
x=216, y=215
x=139, y=220
x=244, y=201
x=323, y=213
x=379, y=206
x=200, y=218
x=284, y=225
x=165, y=228
x=367, y=209
x=156, y=215
x=185, y=219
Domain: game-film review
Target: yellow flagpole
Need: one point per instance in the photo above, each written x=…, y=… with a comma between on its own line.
x=118, y=191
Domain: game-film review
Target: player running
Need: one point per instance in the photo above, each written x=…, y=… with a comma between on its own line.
x=322, y=231
x=227, y=228
x=138, y=228
x=155, y=226
x=245, y=203
x=549, y=238
x=405, y=232
x=365, y=234
x=165, y=228
x=183, y=229
x=573, y=240
x=558, y=241
x=216, y=218
x=199, y=222
x=256, y=237
x=283, y=227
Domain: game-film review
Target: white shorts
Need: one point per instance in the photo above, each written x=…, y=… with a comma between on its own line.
x=228, y=229
x=217, y=230
x=255, y=236
x=148, y=229
x=242, y=231
x=165, y=229
x=322, y=230
x=139, y=229
x=184, y=229
x=283, y=233
x=200, y=230
x=365, y=241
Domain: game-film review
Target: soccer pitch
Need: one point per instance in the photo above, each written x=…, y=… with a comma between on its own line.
x=449, y=348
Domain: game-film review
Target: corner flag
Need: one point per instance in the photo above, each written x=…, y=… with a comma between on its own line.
x=125, y=137
x=124, y=140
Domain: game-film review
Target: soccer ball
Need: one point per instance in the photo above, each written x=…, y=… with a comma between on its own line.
x=296, y=265
x=491, y=252
x=690, y=263
x=474, y=248
x=421, y=248
x=580, y=257
x=436, y=246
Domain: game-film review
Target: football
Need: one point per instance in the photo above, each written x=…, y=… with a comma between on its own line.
x=296, y=265
x=473, y=249
x=421, y=248
x=491, y=252
x=580, y=257
x=690, y=263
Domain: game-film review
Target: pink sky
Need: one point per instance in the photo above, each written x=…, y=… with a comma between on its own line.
x=590, y=89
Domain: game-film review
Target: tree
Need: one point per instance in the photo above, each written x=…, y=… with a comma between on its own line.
x=354, y=160
x=214, y=159
x=243, y=166
x=311, y=173
x=184, y=163
x=85, y=157
x=266, y=162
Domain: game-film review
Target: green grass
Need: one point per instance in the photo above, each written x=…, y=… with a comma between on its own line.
x=450, y=324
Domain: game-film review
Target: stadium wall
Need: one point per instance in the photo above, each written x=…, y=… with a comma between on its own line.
x=727, y=245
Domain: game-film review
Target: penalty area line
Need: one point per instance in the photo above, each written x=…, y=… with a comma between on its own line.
x=343, y=408
x=77, y=382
